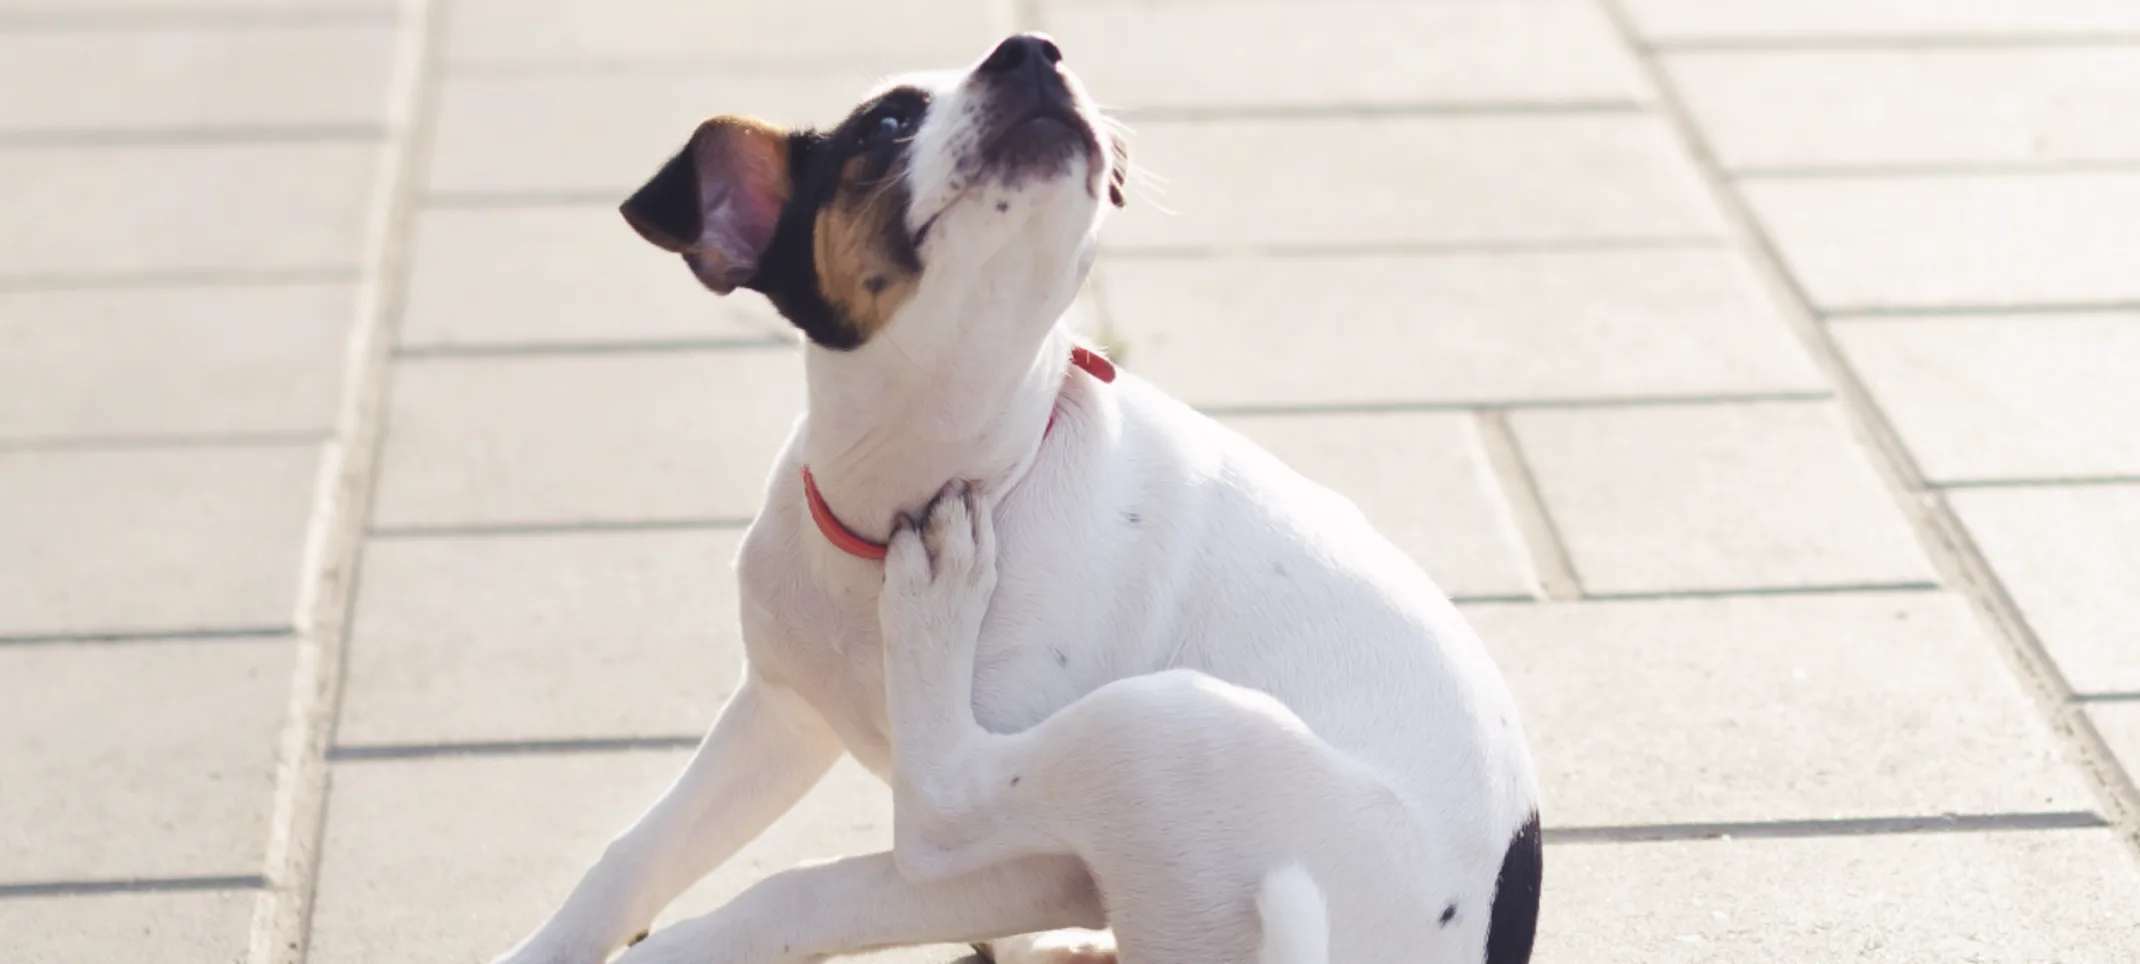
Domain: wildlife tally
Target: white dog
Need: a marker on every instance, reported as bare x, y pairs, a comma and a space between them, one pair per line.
1189, 799
928, 247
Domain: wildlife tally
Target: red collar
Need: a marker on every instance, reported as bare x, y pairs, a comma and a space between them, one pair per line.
837, 533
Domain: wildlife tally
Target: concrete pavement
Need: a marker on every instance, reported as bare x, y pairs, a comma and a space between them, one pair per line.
1762, 375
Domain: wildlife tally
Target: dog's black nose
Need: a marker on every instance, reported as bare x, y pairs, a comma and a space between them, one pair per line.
1026, 51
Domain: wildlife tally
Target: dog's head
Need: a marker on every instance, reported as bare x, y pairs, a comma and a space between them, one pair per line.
959, 198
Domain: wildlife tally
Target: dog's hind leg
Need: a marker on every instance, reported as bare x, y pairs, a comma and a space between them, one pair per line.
1148, 779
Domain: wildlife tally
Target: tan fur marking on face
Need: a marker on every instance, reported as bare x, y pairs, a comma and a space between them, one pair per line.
857, 268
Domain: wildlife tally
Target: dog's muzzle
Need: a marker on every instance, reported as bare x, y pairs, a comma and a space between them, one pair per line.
1032, 122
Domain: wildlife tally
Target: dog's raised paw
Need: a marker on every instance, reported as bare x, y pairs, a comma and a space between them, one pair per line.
947, 530
939, 571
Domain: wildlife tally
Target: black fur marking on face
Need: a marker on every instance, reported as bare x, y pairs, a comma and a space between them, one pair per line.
1513, 924
863, 153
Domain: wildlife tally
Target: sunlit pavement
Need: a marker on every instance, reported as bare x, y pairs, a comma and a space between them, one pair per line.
1763, 376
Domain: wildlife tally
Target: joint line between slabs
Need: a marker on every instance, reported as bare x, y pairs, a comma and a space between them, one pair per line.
1896, 44
2047, 482
507, 529
1846, 827
198, 634
1543, 544
280, 928
674, 346
131, 885
432, 751
1312, 409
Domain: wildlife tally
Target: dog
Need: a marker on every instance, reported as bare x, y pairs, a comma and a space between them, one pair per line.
1189, 799
927, 248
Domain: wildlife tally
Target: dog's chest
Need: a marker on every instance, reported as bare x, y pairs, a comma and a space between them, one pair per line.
825, 643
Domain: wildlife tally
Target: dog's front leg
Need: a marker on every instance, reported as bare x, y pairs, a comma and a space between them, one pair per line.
858, 904
949, 774
766, 749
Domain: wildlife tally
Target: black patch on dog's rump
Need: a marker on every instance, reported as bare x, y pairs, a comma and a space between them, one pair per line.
1514, 922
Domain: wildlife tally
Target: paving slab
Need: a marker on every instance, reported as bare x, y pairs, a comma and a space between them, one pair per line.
175, 362
454, 859
1684, 498
606, 133
2016, 397
1444, 181
111, 11
2070, 559
561, 276
149, 541
926, 34
1452, 328
138, 760
541, 637
1753, 20
1858, 108
662, 436
172, 77
1997, 898
170, 928
1423, 479
1987, 240
182, 209
2119, 723
1189, 57
1773, 708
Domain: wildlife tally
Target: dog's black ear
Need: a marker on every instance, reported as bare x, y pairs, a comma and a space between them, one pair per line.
665, 210
718, 200
1118, 172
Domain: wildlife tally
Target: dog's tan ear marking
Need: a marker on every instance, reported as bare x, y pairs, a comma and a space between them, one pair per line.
1118, 172
718, 200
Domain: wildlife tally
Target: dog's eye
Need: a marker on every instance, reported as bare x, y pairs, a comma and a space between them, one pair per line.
890, 126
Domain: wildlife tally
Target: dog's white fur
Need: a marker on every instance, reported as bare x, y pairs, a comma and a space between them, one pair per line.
1189, 799
1140, 537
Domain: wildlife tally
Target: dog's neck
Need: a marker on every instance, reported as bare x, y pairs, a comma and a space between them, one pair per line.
885, 432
